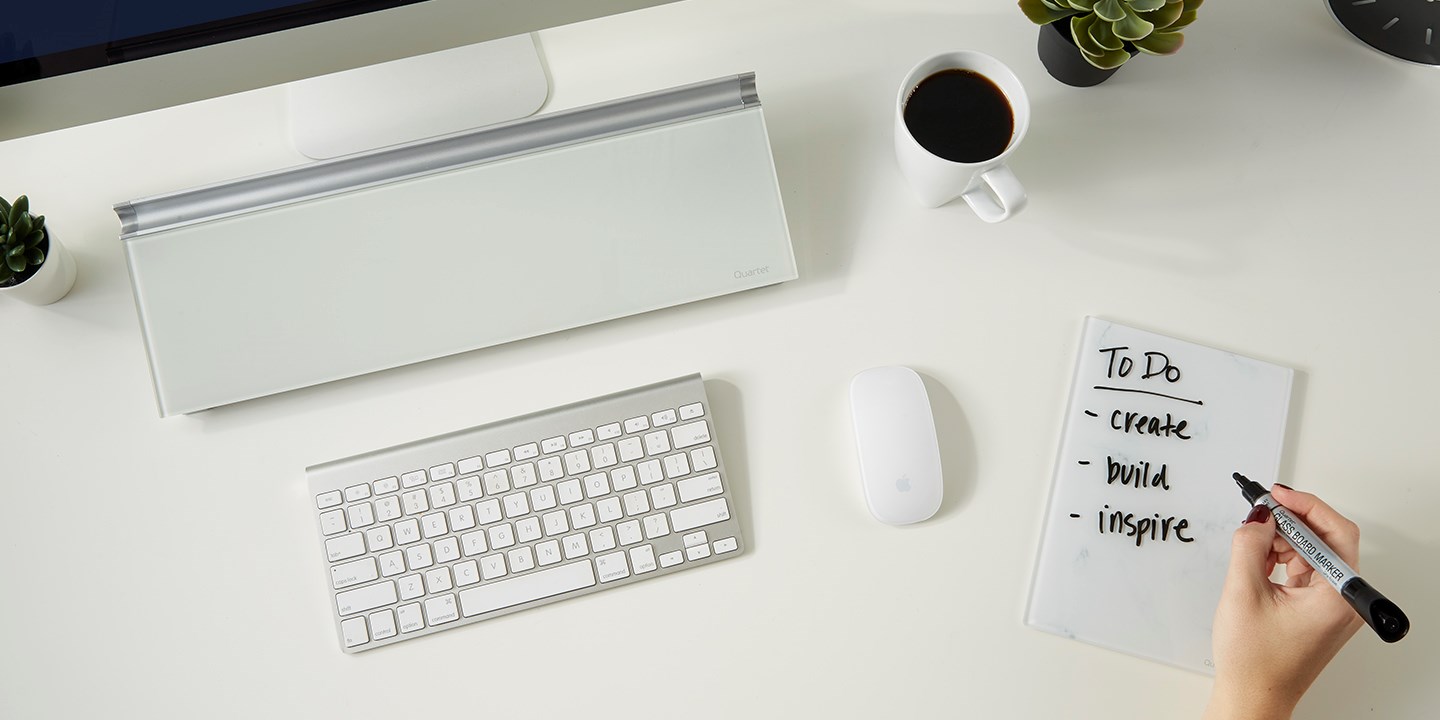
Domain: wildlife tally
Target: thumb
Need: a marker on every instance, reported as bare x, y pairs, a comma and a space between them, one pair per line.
1250, 551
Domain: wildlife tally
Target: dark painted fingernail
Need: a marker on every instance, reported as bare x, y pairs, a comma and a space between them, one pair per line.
1287, 487
1258, 514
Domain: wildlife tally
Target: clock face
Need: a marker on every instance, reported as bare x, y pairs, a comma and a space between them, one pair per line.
1406, 29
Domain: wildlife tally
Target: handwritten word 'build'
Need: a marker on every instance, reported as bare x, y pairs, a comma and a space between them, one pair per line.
1136, 475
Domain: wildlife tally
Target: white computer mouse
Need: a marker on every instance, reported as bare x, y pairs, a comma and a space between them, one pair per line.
899, 453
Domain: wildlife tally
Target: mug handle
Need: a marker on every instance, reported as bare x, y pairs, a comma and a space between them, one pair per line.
996, 184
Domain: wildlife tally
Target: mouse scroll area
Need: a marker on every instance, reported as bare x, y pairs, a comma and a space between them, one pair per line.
897, 446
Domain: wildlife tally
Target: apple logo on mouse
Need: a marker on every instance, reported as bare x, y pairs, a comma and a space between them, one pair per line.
903, 483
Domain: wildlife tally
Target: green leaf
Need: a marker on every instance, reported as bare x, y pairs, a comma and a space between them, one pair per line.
1083, 5
1042, 15
1141, 6
1056, 5
1110, 10
4, 207
1182, 22
1110, 60
21, 206
39, 221
23, 226
1104, 37
1133, 27
34, 238
1161, 43
1080, 33
15, 258
1166, 15
1193, 5
34, 256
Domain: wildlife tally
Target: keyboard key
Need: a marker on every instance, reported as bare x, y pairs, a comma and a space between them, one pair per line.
410, 619
471, 465
419, 557
497, 458
552, 445
447, 549
353, 573
556, 523
413, 478
414, 502
345, 547
392, 563
662, 496
671, 558
473, 543
501, 536
332, 522
467, 573
696, 433
702, 459
407, 531
695, 538
582, 516
608, 432
527, 451
379, 538
353, 630
497, 481
487, 512
462, 518
601, 539
575, 546
382, 625
542, 498
583, 437
664, 417
656, 526
328, 499
637, 503
443, 471
700, 486
631, 449
360, 515
612, 567
596, 485
677, 465
442, 495
637, 424
569, 492
691, 411
699, 552
357, 492
365, 598
622, 478
650, 472
629, 532
609, 510
577, 462
411, 587
382, 486
440, 610
642, 559
548, 552
724, 545
527, 530
516, 504
524, 475
468, 488
492, 566
387, 509
603, 455
437, 580
551, 469
657, 443
521, 559
694, 516
523, 589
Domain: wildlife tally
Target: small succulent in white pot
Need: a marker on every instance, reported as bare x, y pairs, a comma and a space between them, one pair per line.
34, 266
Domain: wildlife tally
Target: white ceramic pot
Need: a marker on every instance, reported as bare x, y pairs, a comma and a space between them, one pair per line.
54, 279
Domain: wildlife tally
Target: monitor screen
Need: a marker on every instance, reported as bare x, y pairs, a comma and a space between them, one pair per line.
44, 39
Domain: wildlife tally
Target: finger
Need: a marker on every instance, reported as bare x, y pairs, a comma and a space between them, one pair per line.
1250, 553
1335, 529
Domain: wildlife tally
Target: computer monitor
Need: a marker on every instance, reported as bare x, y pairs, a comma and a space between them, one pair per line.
70, 62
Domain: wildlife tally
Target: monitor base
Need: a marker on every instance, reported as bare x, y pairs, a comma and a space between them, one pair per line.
416, 97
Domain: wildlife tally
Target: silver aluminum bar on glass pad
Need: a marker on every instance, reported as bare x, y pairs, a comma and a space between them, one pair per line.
400, 162
372, 261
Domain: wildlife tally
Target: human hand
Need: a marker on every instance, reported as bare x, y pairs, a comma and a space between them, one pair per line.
1271, 640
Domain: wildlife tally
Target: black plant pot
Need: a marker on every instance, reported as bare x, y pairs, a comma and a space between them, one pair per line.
1065, 61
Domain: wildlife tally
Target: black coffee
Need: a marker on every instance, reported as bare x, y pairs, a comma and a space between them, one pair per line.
960, 115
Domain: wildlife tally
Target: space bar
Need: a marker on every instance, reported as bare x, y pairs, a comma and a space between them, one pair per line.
525, 588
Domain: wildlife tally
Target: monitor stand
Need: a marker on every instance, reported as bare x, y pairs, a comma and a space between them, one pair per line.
416, 97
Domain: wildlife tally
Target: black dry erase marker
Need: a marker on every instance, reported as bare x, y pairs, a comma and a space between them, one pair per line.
1379, 613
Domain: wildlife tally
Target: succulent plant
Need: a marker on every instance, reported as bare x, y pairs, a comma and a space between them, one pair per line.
20, 236
1108, 31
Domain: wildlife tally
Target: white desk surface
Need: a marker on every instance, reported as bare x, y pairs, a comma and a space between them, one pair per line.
1270, 190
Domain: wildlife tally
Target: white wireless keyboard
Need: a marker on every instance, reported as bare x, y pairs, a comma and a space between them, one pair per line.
483, 522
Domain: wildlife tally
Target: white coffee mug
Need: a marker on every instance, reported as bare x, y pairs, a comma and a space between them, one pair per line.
988, 187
